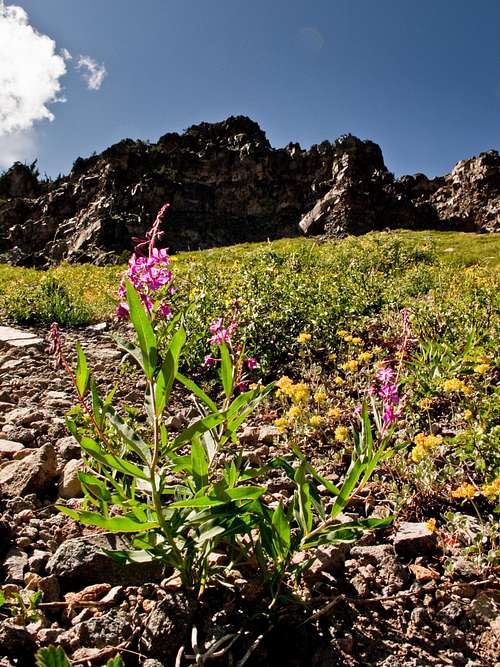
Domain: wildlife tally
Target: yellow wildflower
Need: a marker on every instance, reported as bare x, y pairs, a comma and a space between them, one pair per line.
467, 414
338, 380
284, 382
365, 357
316, 420
334, 413
303, 338
348, 338
341, 433
332, 356
342, 333
320, 396
299, 392
425, 403
356, 340
481, 369
418, 453
294, 412
453, 386
491, 490
350, 366
466, 491
282, 424
431, 525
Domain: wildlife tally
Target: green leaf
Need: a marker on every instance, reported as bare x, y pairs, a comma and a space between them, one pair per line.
199, 463
131, 350
197, 391
303, 508
51, 656
115, 524
115, 662
226, 370
353, 474
198, 428
131, 438
82, 371
112, 461
168, 371
144, 329
281, 537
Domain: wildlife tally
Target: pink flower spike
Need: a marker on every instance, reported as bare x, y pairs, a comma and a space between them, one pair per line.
122, 311
251, 363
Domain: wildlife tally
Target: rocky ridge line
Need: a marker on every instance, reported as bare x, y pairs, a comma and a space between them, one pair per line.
226, 185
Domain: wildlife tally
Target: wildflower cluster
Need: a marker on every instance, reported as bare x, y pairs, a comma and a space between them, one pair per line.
149, 274
222, 335
456, 386
307, 407
468, 491
423, 445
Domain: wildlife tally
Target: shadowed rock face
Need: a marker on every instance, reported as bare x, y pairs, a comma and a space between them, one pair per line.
226, 184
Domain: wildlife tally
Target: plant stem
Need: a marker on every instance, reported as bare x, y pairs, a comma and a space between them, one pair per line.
152, 470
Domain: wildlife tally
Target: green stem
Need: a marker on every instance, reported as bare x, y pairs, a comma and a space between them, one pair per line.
152, 470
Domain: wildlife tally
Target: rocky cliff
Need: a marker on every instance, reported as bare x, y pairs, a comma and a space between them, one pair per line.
226, 184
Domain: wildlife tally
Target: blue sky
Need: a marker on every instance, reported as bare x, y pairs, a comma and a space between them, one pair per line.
422, 79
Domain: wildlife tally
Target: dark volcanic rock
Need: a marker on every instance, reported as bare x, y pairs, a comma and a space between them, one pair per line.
80, 562
226, 184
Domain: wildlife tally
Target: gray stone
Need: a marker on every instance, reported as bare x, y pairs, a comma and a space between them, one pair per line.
18, 338
16, 643
167, 627
33, 474
14, 565
9, 447
414, 539
107, 629
70, 486
80, 562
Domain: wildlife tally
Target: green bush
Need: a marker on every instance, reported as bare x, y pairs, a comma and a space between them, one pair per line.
45, 303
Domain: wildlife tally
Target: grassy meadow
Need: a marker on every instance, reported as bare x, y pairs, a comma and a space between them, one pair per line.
322, 317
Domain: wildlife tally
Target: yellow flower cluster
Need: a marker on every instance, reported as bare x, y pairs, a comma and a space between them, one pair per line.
338, 381
423, 445
345, 335
334, 413
455, 386
297, 392
341, 433
350, 366
294, 412
491, 490
431, 525
466, 491
425, 403
315, 421
365, 357
282, 424
303, 338
320, 396
467, 414
481, 369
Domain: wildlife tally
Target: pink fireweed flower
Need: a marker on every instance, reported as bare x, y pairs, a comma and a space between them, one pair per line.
242, 385
251, 363
220, 333
150, 275
209, 360
385, 374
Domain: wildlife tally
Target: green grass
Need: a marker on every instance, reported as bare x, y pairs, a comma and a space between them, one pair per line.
337, 291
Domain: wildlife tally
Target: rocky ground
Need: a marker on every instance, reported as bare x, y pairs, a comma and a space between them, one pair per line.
386, 600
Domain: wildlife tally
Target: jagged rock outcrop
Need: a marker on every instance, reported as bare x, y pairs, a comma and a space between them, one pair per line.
226, 184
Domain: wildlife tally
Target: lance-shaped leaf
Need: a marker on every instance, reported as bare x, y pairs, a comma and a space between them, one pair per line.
115, 524
82, 370
144, 329
168, 371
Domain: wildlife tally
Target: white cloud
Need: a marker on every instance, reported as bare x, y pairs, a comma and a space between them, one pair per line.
17, 146
93, 73
30, 73
66, 54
